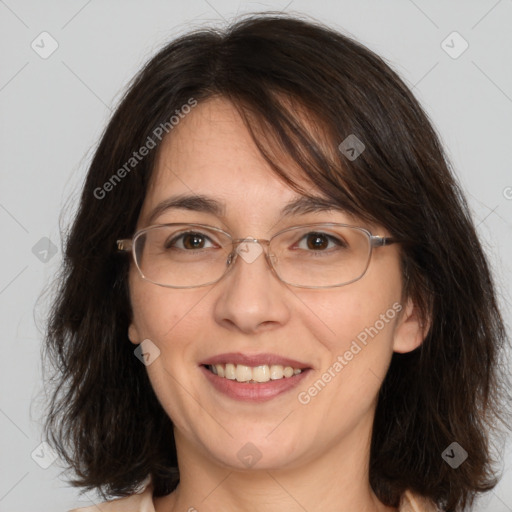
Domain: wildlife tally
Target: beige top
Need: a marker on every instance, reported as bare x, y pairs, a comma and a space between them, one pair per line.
143, 502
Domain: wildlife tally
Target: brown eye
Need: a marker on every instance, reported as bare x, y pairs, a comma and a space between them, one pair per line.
193, 241
320, 242
188, 241
317, 241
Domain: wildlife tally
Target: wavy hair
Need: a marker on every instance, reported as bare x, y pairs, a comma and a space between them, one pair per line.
103, 417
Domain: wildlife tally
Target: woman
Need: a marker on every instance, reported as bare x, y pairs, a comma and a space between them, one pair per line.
274, 297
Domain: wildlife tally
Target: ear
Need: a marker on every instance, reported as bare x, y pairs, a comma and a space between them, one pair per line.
410, 330
133, 334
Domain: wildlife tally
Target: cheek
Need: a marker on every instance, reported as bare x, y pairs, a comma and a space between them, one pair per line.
355, 325
357, 354
171, 319
160, 313
339, 319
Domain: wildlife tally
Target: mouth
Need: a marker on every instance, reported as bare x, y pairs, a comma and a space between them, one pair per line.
254, 378
253, 374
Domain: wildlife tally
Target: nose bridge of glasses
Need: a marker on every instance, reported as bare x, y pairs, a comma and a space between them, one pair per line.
249, 249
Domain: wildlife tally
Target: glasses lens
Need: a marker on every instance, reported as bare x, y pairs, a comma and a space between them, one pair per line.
188, 255
182, 255
321, 255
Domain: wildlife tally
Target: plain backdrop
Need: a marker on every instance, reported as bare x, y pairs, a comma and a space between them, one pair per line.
54, 107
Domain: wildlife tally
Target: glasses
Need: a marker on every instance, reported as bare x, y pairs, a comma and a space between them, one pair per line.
322, 255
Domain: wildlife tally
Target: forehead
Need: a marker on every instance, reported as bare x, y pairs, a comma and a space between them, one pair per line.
211, 151
214, 142
210, 157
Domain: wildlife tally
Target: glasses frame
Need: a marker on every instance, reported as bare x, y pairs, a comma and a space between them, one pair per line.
128, 245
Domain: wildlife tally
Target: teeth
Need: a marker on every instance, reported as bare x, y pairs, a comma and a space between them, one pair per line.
261, 373
229, 371
219, 370
288, 371
276, 372
243, 373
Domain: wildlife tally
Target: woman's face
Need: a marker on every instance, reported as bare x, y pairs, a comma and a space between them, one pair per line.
342, 338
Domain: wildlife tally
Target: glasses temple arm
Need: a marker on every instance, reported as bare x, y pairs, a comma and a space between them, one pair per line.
124, 245
381, 241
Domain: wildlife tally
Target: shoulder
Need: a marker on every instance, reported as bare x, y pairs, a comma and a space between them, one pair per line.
412, 502
139, 502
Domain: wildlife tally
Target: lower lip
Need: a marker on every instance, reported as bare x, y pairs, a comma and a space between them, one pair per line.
255, 392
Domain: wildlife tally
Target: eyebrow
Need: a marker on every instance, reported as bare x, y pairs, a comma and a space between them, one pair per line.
205, 204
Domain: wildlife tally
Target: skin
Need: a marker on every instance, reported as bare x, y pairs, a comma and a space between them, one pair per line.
315, 456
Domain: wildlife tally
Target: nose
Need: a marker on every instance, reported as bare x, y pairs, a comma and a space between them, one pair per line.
251, 298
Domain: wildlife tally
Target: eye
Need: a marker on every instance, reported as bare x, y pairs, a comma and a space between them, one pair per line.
318, 241
188, 241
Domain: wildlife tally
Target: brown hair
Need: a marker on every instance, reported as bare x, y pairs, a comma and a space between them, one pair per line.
104, 418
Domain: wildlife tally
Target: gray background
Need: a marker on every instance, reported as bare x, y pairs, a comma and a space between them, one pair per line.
54, 109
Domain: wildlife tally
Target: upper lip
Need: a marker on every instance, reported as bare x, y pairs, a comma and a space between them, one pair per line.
254, 360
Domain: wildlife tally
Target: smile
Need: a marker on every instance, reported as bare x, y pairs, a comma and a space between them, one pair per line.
253, 374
